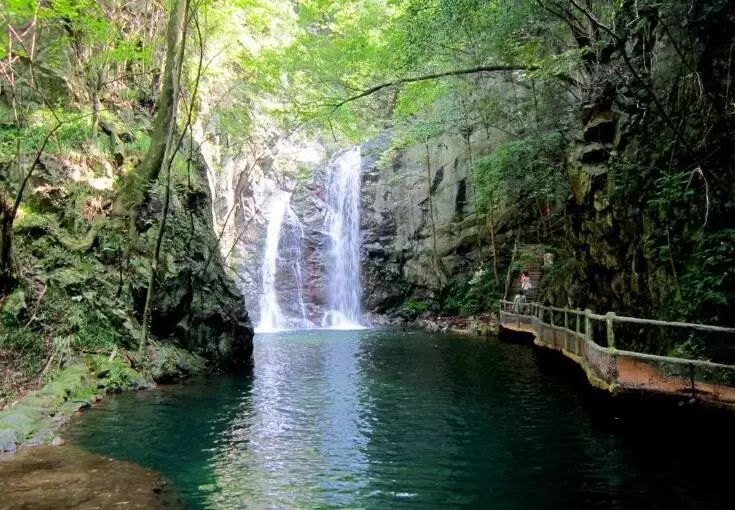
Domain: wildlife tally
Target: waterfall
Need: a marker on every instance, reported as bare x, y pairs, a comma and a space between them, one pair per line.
295, 242
344, 291
281, 302
271, 317
283, 241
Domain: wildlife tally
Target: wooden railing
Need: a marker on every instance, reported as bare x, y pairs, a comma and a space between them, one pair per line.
571, 331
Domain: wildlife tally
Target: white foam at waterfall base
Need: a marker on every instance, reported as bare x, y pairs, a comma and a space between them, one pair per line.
336, 320
344, 289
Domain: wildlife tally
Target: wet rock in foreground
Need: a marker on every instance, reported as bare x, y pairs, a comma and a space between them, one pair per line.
65, 477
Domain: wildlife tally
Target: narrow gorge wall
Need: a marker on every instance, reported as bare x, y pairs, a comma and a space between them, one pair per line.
651, 169
420, 200
417, 200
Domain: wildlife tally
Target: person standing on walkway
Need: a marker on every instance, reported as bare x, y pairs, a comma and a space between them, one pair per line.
525, 283
519, 303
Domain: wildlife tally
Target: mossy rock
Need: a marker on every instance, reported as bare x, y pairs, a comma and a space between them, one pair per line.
33, 414
78, 244
170, 363
32, 223
116, 374
73, 380
37, 400
28, 418
120, 376
70, 277
9, 439
16, 420
35, 224
40, 437
69, 408
14, 305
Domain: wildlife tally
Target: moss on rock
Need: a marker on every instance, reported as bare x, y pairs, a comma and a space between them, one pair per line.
35, 418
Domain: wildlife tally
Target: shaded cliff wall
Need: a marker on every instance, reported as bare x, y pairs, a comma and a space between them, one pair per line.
419, 200
651, 210
648, 223
82, 273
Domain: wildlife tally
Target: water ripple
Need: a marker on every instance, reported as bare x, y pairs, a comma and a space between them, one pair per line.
383, 420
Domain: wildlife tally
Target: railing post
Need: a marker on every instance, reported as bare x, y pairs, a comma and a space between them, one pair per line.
566, 319
587, 324
540, 323
609, 319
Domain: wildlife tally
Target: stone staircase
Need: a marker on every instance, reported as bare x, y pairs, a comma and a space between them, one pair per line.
535, 270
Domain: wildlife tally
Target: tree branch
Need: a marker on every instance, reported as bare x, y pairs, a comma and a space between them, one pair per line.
433, 76
621, 44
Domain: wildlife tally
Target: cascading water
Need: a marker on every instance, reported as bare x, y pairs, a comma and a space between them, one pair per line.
281, 303
296, 256
271, 317
284, 237
344, 290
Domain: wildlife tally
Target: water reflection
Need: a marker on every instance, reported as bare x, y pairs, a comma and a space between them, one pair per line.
301, 444
368, 419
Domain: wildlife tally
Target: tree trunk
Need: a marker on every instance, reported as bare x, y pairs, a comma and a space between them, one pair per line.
491, 219
478, 223
437, 263
510, 267
174, 62
150, 168
165, 121
95, 112
6, 244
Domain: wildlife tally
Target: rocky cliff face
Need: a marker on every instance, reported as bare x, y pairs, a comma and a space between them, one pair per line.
102, 272
422, 197
198, 305
416, 201
647, 169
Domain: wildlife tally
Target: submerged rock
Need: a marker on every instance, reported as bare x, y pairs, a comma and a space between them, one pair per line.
66, 477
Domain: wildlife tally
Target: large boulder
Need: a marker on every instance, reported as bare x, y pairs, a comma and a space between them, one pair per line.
197, 305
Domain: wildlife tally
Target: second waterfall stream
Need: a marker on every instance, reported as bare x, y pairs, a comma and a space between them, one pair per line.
344, 290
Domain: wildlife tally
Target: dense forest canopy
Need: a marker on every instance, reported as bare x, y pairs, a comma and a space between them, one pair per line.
658, 71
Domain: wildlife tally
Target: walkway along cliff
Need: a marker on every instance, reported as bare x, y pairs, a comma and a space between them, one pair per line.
576, 333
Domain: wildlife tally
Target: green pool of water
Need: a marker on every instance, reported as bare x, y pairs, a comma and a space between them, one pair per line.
380, 419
